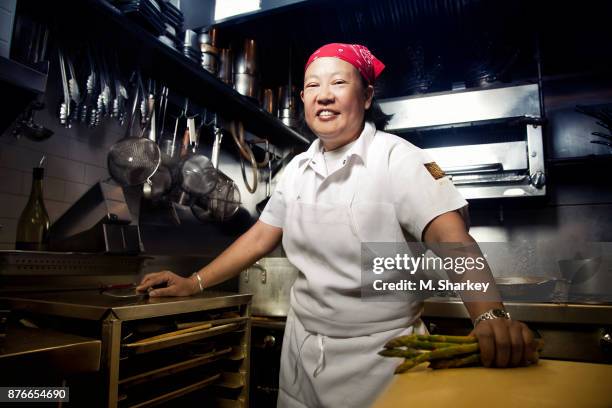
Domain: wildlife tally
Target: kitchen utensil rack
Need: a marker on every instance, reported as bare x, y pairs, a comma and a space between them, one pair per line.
106, 26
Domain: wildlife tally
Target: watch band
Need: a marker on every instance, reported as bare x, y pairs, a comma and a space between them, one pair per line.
492, 314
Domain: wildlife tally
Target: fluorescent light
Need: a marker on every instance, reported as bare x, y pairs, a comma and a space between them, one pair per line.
229, 8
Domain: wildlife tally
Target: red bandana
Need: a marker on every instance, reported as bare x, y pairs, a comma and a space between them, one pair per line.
357, 55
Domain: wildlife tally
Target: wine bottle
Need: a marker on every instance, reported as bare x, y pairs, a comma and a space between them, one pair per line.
33, 226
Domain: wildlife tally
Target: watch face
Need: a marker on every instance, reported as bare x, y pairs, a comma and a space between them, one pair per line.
499, 313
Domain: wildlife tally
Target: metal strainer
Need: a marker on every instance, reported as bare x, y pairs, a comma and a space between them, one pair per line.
223, 201
198, 176
133, 160
221, 204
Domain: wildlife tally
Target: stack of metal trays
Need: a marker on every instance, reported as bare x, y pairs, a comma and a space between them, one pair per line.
174, 23
147, 13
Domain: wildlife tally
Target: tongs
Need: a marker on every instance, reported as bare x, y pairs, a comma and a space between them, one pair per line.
121, 94
73, 88
88, 112
64, 113
603, 135
104, 98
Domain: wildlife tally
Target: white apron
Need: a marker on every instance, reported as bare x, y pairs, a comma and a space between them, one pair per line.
329, 356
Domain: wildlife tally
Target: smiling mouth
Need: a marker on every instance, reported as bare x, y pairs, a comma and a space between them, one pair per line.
326, 113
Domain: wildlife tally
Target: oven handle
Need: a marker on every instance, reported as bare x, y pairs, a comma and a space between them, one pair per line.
475, 168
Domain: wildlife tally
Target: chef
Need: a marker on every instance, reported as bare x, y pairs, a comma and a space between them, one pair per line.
354, 184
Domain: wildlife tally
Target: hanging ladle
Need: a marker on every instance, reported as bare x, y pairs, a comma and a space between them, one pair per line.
262, 204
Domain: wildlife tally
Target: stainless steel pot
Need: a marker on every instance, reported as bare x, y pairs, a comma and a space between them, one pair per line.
226, 67
210, 62
208, 36
288, 116
246, 60
287, 97
269, 281
246, 85
269, 101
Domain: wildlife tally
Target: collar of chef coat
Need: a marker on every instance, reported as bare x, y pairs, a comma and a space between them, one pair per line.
313, 157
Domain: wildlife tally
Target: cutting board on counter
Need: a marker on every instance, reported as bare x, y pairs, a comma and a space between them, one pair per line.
550, 383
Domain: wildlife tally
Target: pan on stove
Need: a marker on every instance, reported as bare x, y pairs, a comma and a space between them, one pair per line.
526, 288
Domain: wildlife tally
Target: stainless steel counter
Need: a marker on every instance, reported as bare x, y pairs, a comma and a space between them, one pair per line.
107, 316
563, 313
50, 350
92, 305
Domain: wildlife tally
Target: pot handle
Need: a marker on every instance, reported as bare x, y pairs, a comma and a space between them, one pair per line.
263, 271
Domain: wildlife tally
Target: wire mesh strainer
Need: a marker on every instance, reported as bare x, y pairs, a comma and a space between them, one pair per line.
198, 176
223, 201
221, 204
133, 160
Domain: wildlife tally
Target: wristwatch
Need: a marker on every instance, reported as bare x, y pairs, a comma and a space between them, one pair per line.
492, 314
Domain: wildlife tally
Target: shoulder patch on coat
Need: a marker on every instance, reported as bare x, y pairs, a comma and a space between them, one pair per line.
435, 170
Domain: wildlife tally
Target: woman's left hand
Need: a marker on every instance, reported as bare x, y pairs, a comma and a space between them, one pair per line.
505, 343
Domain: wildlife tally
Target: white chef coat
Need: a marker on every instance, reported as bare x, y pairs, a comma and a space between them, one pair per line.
381, 188
334, 159
388, 188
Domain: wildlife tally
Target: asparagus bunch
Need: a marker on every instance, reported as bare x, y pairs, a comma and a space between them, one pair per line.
441, 351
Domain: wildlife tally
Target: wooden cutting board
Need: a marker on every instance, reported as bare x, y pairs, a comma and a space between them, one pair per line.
550, 383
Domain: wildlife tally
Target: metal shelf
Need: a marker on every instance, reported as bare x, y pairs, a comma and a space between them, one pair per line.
105, 24
22, 76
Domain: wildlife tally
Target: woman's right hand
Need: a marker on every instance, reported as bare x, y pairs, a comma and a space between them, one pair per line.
174, 285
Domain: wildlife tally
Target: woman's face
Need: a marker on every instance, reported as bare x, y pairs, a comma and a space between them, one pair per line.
335, 101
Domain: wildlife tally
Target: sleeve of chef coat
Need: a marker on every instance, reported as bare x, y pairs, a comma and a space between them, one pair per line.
418, 196
274, 212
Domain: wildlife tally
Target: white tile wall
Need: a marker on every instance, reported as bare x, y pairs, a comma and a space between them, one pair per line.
76, 160
7, 17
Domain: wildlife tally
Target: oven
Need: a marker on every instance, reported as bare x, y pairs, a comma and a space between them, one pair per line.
488, 141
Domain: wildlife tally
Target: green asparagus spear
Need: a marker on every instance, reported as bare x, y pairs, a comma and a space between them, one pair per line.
455, 362
437, 354
412, 338
446, 339
425, 345
406, 353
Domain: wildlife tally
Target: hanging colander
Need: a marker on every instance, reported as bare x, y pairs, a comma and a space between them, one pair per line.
133, 160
